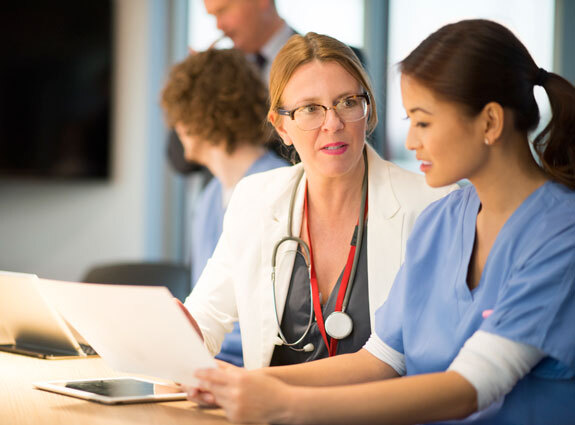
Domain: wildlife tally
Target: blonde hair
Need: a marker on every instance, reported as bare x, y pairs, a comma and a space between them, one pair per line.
300, 50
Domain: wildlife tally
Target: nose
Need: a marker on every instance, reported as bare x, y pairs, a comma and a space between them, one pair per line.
332, 121
412, 142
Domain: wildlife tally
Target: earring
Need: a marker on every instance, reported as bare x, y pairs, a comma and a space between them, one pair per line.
486, 141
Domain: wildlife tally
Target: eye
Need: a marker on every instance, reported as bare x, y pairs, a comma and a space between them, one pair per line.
348, 102
421, 124
309, 109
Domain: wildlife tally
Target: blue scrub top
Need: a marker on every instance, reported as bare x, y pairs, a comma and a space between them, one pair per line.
528, 281
206, 230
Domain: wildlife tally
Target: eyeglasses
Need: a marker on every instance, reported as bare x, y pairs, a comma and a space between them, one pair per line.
312, 116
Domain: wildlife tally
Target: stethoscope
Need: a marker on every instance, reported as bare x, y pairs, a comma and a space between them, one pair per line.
338, 324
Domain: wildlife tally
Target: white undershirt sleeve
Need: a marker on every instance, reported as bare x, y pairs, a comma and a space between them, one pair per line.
385, 353
493, 365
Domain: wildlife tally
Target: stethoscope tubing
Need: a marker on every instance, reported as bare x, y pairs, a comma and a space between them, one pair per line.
311, 315
359, 239
307, 256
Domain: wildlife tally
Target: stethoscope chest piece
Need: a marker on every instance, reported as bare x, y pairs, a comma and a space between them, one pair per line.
338, 325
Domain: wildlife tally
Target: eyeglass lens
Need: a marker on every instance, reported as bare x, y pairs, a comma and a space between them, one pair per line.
310, 117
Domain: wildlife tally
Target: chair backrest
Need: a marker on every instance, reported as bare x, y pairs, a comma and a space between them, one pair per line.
176, 277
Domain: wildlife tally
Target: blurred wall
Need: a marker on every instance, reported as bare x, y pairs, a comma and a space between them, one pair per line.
59, 229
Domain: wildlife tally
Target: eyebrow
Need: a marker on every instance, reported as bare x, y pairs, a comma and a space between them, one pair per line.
421, 110
316, 99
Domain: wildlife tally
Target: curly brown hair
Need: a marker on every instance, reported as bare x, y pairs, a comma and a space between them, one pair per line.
220, 97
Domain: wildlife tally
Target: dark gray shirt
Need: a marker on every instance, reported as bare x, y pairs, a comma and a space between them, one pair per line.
297, 309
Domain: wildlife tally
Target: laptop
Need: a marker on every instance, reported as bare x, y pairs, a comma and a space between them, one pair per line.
34, 327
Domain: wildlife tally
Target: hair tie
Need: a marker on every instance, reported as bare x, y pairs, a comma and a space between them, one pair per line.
541, 78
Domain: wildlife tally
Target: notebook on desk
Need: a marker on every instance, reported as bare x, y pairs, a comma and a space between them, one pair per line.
34, 327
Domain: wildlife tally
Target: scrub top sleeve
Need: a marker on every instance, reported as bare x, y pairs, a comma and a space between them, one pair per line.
386, 354
389, 317
536, 304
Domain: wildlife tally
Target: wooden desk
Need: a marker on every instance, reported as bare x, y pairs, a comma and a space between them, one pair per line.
21, 404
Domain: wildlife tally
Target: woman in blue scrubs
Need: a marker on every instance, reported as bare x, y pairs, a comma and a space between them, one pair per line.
479, 324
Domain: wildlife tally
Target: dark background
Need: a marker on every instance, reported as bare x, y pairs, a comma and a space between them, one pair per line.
55, 88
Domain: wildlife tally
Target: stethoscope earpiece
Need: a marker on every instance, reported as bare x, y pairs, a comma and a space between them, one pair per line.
308, 347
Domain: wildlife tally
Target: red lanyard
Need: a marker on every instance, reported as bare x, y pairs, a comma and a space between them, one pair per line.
332, 344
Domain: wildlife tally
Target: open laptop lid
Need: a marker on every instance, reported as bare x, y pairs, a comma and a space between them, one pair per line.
34, 326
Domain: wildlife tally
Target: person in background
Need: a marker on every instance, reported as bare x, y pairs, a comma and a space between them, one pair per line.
255, 28
478, 327
217, 104
322, 239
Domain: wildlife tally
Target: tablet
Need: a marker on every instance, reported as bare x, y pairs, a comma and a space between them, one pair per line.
115, 390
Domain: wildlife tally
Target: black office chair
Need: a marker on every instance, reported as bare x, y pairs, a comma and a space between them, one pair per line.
176, 277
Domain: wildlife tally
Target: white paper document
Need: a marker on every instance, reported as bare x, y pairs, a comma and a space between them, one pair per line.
135, 329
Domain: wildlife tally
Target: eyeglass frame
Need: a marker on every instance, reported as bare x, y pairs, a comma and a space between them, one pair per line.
291, 113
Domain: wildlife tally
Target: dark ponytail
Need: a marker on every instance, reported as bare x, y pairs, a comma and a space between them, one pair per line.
475, 62
555, 145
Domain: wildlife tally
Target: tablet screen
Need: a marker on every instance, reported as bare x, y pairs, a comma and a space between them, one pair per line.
115, 390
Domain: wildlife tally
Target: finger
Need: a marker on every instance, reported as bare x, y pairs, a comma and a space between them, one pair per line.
208, 399
189, 317
193, 394
225, 365
214, 376
200, 397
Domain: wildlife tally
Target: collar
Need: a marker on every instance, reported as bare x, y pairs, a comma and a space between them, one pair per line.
274, 44
380, 189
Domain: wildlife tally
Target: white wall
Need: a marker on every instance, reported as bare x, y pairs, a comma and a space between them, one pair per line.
59, 230
412, 21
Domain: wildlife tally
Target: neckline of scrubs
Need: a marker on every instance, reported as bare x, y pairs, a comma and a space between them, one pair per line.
469, 234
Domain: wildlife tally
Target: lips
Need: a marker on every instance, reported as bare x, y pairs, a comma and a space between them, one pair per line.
334, 146
338, 148
425, 166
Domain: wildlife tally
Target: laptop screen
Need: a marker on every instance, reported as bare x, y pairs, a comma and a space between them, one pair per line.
30, 322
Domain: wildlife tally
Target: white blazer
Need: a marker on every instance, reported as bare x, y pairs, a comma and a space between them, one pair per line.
236, 283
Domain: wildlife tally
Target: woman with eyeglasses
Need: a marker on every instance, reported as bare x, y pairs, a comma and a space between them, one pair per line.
308, 252
478, 327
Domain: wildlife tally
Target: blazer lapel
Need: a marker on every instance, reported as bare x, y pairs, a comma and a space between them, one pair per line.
384, 232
